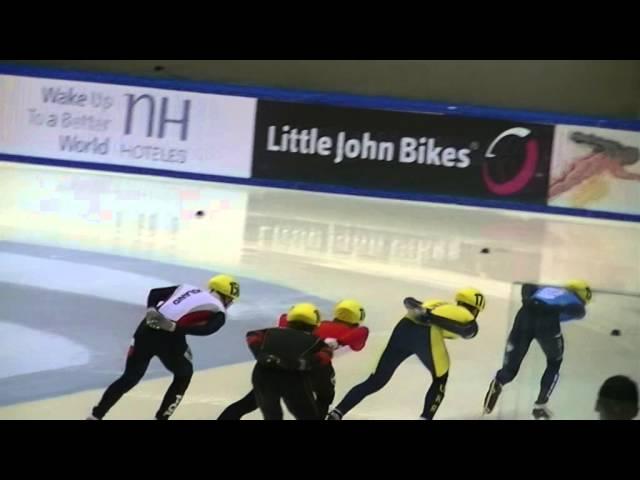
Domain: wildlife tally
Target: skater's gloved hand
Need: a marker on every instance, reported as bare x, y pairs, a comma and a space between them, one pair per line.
414, 307
332, 343
157, 321
411, 303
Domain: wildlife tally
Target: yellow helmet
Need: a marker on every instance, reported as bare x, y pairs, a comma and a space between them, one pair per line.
580, 288
349, 311
472, 297
304, 312
225, 285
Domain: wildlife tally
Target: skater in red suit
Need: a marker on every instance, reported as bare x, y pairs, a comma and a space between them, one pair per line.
345, 330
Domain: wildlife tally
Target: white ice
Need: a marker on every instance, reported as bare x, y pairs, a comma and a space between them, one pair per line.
334, 246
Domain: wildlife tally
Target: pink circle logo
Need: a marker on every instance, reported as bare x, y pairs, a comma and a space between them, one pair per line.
524, 174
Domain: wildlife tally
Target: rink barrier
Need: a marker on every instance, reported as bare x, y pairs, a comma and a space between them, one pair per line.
406, 107
321, 188
377, 150
613, 154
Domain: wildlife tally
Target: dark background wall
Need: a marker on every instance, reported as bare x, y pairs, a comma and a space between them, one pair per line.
604, 88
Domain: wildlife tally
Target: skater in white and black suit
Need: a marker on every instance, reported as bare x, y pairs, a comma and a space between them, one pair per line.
173, 313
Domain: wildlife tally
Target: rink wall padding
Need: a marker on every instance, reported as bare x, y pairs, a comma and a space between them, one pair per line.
331, 143
403, 151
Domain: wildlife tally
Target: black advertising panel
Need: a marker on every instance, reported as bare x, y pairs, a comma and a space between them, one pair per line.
402, 151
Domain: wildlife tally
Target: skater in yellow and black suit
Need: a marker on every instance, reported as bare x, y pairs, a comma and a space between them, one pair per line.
421, 332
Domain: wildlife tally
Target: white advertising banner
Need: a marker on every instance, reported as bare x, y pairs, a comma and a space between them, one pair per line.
126, 125
595, 169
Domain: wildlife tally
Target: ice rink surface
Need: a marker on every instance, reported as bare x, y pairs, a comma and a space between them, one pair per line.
79, 251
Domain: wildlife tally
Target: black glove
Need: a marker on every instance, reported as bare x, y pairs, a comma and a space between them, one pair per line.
415, 310
414, 305
154, 319
527, 290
